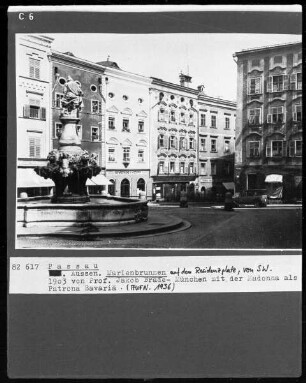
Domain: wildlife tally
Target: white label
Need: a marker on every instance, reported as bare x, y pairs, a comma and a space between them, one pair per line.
189, 274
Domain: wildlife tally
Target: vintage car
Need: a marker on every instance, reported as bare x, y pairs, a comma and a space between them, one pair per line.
255, 197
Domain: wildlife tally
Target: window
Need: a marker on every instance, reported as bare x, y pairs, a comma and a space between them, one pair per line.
79, 131
275, 149
34, 147
161, 141
255, 85
140, 100
111, 123
125, 125
140, 126
33, 110
227, 122
278, 59
58, 100
277, 83
295, 148
173, 142
126, 154
191, 168
296, 81
96, 106
255, 62
34, 68
203, 169
183, 120
202, 144
95, 136
254, 116
111, 95
140, 155
161, 115
253, 149
191, 143
191, 120
111, 155
93, 88
213, 168
57, 130
125, 97
297, 113
213, 145
172, 116
161, 167
227, 146
299, 81
183, 143
213, 121
203, 119
182, 167
172, 167
276, 115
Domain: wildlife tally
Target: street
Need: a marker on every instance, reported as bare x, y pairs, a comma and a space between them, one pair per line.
259, 228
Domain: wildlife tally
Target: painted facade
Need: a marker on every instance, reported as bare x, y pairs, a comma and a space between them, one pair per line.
269, 119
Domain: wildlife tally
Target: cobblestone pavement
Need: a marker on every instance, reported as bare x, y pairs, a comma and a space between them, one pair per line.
212, 227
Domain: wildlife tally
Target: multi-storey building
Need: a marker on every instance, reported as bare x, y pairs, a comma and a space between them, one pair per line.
126, 131
216, 145
174, 133
89, 76
269, 119
33, 112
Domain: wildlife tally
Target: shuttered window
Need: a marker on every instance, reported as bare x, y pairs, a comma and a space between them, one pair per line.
34, 147
34, 68
255, 85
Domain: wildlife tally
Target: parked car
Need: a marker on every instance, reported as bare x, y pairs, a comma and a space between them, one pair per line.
256, 197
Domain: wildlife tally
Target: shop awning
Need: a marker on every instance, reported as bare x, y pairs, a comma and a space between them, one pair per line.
229, 185
27, 178
98, 180
271, 178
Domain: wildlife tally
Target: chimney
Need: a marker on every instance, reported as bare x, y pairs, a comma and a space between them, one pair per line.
185, 79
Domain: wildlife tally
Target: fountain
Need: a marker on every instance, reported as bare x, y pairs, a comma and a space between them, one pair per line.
69, 167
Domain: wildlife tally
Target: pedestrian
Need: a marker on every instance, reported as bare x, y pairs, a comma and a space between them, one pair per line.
228, 202
183, 199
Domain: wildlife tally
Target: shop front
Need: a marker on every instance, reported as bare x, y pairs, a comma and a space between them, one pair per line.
169, 188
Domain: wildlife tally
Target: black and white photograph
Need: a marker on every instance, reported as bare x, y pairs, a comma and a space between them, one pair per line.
159, 140
154, 191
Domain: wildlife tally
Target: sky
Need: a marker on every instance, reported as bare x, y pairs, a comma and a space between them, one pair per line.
208, 58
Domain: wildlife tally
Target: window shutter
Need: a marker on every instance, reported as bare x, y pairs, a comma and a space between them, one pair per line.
26, 111
294, 115
32, 147
257, 85
166, 141
269, 85
37, 147
158, 143
37, 72
100, 106
269, 118
286, 81
176, 143
43, 113
248, 154
284, 148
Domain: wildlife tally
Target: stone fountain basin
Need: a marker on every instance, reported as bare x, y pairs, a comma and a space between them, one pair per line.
100, 211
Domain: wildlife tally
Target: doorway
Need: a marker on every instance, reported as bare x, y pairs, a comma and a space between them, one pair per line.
125, 188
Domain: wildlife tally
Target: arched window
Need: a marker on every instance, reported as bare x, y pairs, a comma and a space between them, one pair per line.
141, 184
111, 188
125, 188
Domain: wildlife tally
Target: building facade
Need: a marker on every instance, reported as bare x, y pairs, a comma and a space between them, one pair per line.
126, 149
269, 120
89, 76
216, 146
33, 90
174, 135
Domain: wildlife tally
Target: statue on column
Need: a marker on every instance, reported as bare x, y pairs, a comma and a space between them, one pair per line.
72, 99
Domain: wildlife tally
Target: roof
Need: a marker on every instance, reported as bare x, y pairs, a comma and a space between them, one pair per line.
109, 64
266, 48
